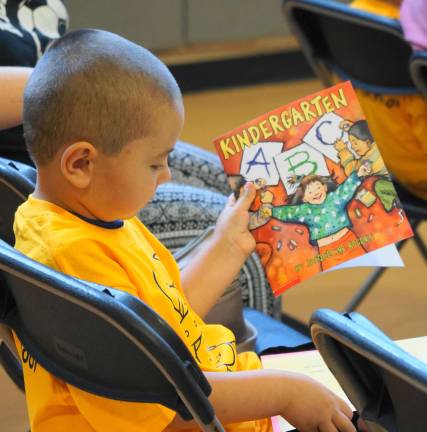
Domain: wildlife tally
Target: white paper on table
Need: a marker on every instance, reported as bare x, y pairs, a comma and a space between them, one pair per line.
312, 364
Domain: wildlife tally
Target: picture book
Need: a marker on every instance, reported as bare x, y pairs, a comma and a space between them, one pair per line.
325, 199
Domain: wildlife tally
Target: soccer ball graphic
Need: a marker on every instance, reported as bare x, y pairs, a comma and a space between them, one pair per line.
48, 18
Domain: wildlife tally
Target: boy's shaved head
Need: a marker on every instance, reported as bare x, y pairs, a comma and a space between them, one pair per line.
95, 86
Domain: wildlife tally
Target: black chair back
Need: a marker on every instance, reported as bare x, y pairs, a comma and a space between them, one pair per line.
387, 385
98, 339
17, 181
418, 69
353, 44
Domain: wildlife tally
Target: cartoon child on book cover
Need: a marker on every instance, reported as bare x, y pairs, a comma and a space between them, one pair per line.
324, 193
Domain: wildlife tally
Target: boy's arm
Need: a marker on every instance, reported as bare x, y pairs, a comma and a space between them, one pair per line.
346, 157
12, 84
291, 213
256, 394
207, 276
347, 188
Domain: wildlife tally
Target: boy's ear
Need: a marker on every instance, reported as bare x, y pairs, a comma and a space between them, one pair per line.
77, 163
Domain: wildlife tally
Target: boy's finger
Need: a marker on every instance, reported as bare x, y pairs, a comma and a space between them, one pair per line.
343, 423
361, 425
245, 199
327, 427
345, 409
231, 200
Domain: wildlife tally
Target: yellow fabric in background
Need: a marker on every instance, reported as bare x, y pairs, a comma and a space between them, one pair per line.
399, 126
379, 7
129, 258
398, 123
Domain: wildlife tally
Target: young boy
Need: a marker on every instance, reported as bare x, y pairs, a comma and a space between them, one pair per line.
101, 115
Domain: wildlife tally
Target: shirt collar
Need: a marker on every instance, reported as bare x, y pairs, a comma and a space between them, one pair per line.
118, 223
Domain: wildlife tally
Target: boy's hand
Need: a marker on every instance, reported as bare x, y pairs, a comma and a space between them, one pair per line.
265, 211
364, 170
266, 197
313, 408
232, 225
340, 145
345, 125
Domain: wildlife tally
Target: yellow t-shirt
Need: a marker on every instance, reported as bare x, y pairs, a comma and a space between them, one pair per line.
129, 258
398, 123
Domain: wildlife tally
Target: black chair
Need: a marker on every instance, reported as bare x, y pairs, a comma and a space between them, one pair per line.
143, 361
355, 45
340, 41
17, 181
387, 385
418, 70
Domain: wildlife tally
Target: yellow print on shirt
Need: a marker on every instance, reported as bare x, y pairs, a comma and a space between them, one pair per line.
181, 308
177, 303
196, 346
28, 358
224, 355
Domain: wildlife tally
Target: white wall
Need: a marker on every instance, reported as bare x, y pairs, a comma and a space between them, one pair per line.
169, 23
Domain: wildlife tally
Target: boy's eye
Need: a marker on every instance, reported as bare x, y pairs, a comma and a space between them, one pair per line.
160, 165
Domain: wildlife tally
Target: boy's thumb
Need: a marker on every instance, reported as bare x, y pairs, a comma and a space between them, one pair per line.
248, 195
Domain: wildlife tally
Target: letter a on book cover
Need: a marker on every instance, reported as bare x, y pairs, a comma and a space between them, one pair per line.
325, 199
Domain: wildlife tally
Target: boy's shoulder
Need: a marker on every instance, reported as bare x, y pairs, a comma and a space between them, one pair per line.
41, 226
39, 217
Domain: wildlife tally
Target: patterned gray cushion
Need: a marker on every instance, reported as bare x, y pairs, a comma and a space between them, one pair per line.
197, 167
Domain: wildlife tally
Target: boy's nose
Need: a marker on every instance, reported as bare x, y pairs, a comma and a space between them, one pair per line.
166, 175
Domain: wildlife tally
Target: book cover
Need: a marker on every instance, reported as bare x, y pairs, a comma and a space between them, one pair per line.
324, 196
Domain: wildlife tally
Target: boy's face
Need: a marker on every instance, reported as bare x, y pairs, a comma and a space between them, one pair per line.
315, 193
125, 182
361, 147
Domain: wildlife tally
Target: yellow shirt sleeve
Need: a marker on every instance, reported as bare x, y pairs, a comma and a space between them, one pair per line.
346, 158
